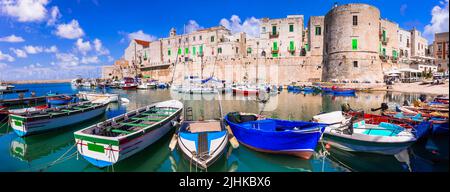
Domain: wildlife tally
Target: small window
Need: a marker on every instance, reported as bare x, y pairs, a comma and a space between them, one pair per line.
200, 37
355, 64
219, 50
212, 39
355, 20
291, 28
169, 52
249, 50
318, 30
179, 40
237, 50
274, 30
263, 29
168, 42
354, 44
179, 51
193, 38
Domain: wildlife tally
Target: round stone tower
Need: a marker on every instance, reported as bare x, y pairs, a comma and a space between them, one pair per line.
351, 43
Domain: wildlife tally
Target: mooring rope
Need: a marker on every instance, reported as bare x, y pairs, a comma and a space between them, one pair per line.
60, 159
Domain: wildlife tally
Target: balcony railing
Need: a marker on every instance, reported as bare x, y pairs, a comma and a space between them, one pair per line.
292, 51
275, 51
274, 35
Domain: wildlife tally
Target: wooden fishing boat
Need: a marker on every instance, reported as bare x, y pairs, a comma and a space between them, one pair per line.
297, 138
98, 97
29, 123
113, 140
128, 83
245, 90
343, 91
202, 142
358, 136
59, 100
440, 125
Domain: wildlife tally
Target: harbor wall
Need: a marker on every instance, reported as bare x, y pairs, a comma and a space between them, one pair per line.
271, 70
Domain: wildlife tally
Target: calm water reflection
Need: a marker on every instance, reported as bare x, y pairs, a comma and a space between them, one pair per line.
36, 152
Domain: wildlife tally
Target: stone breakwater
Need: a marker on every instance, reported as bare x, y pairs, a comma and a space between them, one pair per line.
40, 81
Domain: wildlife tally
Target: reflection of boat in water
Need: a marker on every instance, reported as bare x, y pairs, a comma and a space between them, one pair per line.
254, 161
368, 162
430, 154
36, 147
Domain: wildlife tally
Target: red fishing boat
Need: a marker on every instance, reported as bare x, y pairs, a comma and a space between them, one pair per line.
129, 83
377, 119
245, 90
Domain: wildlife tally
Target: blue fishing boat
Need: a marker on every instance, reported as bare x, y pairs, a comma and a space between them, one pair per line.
440, 126
341, 91
297, 138
202, 142
59, 100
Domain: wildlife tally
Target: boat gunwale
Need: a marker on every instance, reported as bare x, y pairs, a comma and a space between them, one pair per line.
314, 129
47, 114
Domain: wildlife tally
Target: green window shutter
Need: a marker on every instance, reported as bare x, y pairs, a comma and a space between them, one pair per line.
186, 51
291, 28
219, 50
179, 51
384, 35
318, 31
274, 30
384, 51
249, 50
307, 47
394, 54
194, 50
169, 52
354, 44
201, 49
291, 45
275, 46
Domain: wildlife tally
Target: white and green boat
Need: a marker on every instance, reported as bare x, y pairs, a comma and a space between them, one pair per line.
113, 140
34, 122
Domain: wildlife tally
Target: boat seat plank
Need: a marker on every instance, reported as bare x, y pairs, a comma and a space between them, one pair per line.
135, 124
68, 111
204, 127
121, 131
157, 114
146, 119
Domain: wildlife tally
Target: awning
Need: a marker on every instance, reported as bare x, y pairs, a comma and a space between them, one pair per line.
393, 71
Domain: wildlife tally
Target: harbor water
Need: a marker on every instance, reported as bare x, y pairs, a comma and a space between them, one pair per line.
55, 151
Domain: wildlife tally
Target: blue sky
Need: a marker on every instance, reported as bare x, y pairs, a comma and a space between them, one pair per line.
59, 39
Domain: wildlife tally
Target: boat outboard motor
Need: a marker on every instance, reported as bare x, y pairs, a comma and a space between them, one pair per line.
406, 103
423, 98
349, 130
346, 107
384, 106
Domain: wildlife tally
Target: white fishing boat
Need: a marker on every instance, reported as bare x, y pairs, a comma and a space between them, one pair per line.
357, 136
202, 142
98, 97
113, 140
33, 122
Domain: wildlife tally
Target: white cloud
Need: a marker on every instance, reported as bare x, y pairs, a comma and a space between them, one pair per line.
88, 60
54, 16
12, 39
141, 36
6, 57
24, 10
250, 25
71, 30
19, 53
439, 20
67, 59
52, 49
110, 59
33, 49
192, 26
99, 47
83, 47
